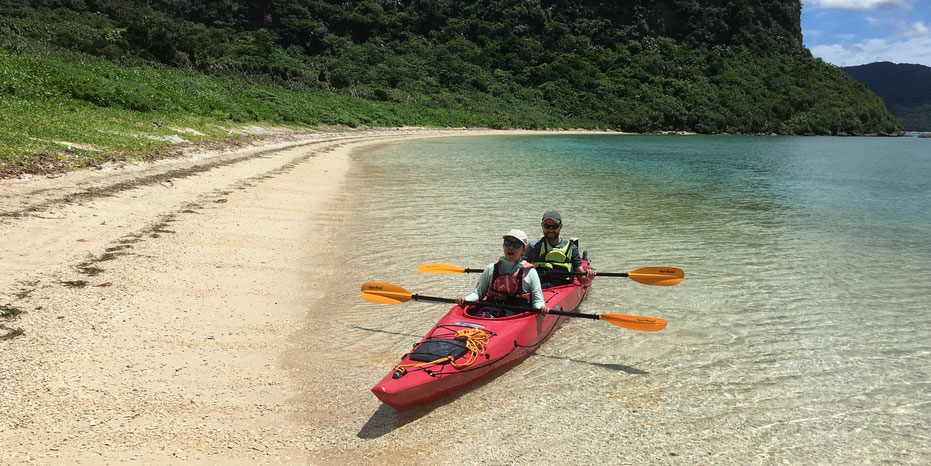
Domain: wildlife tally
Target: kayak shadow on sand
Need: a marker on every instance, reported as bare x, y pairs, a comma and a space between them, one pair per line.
386, 419
613, 367
375, 330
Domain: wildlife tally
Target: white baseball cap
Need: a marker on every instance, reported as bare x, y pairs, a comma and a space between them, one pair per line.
519, 234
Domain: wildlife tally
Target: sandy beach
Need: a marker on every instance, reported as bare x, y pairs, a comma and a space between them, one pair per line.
174, 311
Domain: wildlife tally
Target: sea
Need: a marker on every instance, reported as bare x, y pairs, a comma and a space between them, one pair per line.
801, 333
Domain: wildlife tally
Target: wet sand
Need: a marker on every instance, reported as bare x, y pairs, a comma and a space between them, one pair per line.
182, 311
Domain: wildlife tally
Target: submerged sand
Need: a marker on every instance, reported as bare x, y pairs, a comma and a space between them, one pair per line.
176, 312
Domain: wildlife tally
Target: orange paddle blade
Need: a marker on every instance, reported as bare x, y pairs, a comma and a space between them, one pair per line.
657, 276
384, 293
440, 268
643, 324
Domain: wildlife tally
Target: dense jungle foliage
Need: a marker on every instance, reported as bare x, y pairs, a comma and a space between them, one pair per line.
713, 66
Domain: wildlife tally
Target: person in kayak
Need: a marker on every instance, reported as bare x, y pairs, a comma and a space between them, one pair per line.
509, 280
552, 252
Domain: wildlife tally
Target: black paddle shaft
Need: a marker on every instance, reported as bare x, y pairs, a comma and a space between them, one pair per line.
560, 273
600, 274
574, 314
418, 297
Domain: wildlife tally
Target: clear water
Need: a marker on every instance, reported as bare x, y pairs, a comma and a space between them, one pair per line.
801, 332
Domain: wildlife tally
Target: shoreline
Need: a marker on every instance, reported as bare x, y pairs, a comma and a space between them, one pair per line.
40, 166
162, 312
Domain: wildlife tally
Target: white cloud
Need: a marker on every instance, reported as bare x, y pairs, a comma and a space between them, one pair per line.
859, 5
913, 50
918, 29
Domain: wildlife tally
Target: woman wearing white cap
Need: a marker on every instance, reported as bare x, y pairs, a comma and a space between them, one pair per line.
509, 280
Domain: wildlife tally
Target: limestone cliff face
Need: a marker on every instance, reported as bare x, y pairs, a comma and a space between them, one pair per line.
795, 16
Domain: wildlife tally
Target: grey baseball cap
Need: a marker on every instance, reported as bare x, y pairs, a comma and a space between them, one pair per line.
554, 216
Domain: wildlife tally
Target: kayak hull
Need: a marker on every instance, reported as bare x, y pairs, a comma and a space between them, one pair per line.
510, 340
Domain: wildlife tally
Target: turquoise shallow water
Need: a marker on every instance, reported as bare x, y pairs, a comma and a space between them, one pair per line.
801, 332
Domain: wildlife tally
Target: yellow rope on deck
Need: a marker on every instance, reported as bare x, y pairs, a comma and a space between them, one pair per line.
475, 340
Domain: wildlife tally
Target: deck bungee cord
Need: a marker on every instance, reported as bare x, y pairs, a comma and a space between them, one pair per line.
474, 339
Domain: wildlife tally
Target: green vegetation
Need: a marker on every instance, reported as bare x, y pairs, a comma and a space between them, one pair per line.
61, 114
111, 73
913, 117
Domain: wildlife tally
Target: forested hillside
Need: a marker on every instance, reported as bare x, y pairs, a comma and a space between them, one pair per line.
905, 88
670, 65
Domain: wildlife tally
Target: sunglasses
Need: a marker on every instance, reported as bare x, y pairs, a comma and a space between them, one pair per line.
552, 226
513, 244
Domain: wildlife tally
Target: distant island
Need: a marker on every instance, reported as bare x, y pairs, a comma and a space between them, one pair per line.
111, 77
905, 88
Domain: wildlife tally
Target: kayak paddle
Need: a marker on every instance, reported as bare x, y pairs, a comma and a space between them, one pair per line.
387, 293
657, 276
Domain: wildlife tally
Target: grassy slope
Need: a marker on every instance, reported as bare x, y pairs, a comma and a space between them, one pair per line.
112, 112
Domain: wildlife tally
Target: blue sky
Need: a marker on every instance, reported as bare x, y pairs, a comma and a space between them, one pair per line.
855, 32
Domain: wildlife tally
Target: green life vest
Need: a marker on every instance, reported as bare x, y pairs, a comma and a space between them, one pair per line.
556, 258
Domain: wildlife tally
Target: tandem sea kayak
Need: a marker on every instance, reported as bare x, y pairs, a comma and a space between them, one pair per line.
463, 348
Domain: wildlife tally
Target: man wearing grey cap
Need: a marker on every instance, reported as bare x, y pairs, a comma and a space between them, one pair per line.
552, 252
509, 280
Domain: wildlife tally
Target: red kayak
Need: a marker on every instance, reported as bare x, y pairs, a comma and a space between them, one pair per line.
463, 348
